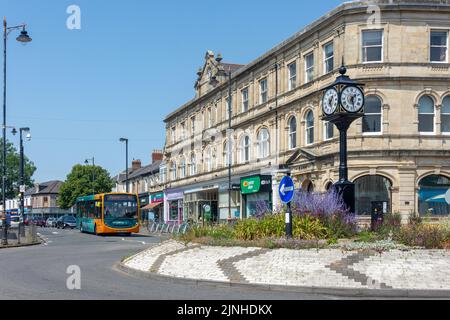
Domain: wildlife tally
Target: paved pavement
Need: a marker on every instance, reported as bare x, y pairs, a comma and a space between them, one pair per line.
39, 272
424, 270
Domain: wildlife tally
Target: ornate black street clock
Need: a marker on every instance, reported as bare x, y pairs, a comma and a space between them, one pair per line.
343, 103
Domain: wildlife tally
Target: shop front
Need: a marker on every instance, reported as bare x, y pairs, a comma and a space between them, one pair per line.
173, 206
256, 193
201, 204
229, 209
154, 210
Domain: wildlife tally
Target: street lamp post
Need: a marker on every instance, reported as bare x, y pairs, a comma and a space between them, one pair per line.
342, 104
93, 172
126, 160
214, 81
22, 171
23, 38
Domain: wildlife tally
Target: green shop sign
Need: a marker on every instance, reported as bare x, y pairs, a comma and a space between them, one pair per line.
250, 185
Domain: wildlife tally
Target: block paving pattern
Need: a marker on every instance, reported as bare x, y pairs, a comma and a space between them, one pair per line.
325, 268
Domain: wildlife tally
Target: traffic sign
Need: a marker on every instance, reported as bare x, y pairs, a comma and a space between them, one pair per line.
286, 189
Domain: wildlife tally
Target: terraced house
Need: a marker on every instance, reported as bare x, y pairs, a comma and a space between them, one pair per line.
399, 152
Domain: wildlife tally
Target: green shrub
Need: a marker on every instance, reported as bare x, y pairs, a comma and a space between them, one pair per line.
367, 236
423, 235
274, 226
309, 228
391, 225
246, 229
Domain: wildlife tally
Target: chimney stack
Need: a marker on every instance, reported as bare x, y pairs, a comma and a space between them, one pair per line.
157, 155
135, 165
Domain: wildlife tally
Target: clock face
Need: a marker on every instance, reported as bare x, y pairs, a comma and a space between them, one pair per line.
352, 99
330, 101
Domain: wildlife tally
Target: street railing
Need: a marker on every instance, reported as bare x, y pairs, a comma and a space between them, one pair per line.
169, 227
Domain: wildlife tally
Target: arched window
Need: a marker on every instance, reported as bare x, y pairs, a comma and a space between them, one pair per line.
193, 166
445, 115
328, 186
244, 147
292, 133
309, 127
183, 168
372, 192
208, 160
426, 115
371, 122
263, 143
227, 154
432, 191
173, 169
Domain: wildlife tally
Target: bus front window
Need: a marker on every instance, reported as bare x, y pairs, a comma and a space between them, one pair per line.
121, 206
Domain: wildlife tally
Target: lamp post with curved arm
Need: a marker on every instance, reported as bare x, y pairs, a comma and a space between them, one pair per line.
23, 38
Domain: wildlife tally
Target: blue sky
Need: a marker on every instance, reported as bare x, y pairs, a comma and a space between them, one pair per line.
132, 63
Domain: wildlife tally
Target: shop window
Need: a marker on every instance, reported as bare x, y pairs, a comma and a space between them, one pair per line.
372, 115
432, 191
292, 133
372, 192
426, 115
173, 210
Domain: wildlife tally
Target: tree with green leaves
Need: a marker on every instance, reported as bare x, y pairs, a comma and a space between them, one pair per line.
13, 170
82, 181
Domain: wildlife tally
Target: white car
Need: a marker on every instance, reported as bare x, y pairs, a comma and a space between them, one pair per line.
15, 221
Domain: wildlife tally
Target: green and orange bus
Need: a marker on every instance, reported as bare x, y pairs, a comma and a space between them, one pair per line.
108, 213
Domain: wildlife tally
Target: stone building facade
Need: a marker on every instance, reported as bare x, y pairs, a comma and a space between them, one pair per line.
399, 153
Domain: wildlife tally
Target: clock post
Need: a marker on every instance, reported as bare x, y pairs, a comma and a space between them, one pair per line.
342, 104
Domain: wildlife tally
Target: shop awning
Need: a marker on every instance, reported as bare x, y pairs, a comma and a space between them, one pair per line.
151, 206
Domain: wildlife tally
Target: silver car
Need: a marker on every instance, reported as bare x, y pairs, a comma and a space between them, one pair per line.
50, 223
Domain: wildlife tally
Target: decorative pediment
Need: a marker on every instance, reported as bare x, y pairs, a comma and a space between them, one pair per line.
212, 73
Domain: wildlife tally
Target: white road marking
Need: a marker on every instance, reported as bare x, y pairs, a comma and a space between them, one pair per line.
142, 242
54, 232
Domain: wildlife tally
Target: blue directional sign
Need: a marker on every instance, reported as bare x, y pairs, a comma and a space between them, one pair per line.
286, 189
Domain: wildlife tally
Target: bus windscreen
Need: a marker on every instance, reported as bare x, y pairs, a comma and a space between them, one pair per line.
120, 206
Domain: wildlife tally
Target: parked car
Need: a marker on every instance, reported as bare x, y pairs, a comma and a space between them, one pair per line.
39, 221
66, 222
50, 223
14, 222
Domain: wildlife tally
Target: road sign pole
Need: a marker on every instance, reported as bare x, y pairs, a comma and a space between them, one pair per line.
289, 221
286, 192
